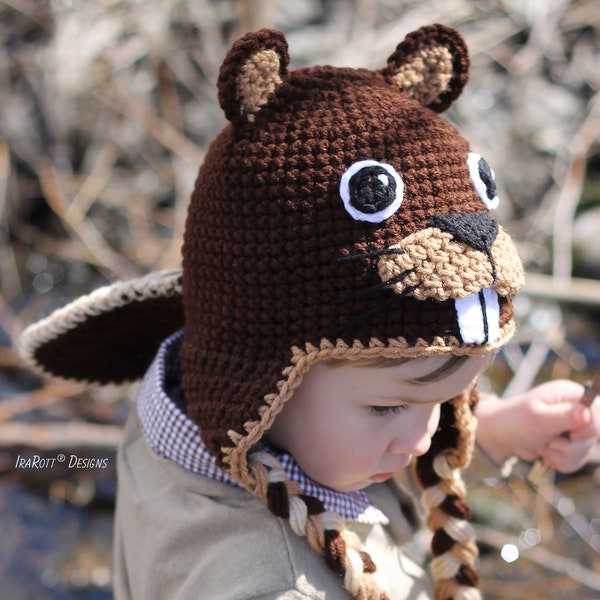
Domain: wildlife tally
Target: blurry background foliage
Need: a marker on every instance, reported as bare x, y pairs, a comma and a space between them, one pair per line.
106, 110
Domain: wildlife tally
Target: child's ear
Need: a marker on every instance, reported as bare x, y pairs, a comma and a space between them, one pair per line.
252, 70
431, 65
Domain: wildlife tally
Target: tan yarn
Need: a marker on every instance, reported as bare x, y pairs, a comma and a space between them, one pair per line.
441, 268
236, 457
56, 345
427, 74
453, 544
262, 470
325, 531
466, 422
279, 272
258, 78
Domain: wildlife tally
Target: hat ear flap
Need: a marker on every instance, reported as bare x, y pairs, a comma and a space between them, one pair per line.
253, 69
110, 335
431, 65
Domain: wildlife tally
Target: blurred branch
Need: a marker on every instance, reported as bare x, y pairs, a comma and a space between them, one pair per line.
94, 183
543, 557
574, 290
528, 367
91, 240
8, 267
54, 436
160, 129
32, 10
4, 174
571, 188
49, 394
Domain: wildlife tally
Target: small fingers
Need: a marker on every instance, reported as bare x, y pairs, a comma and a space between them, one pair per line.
582, 423
590, 423
588, 431
567, 455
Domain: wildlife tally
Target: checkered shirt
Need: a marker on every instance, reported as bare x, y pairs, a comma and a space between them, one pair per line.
172, 435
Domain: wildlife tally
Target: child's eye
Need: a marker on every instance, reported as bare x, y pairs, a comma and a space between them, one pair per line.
388, 410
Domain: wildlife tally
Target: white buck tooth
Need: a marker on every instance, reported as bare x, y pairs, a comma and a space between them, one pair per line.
479, 317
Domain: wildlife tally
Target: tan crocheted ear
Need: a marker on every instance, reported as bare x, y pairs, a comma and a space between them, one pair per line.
109, 336
253, 69
432, 65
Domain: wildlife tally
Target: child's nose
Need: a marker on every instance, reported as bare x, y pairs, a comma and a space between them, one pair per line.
416, 443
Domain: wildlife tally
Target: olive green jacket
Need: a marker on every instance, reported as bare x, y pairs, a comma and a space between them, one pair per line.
182, 536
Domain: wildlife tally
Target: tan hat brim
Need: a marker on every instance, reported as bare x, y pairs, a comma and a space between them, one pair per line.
110, 335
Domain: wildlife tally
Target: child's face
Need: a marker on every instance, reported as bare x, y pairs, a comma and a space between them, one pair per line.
349, 427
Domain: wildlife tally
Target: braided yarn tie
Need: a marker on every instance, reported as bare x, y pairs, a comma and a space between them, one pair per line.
298, 515
444, 566
451, 590
443, 497
325, 531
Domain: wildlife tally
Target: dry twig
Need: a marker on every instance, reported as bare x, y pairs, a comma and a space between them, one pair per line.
53, 436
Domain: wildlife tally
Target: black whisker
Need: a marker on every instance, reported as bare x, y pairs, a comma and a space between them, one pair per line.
367, 314
369, 290
492, 262
368, 254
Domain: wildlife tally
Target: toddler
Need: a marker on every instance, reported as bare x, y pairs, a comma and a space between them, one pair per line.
344, 281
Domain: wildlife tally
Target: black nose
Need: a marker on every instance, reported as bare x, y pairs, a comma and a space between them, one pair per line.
478, 229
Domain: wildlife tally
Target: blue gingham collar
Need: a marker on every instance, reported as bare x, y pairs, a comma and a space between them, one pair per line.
172, 435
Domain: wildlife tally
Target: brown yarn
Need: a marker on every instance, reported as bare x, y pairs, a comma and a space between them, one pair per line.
255, 65
335, 551
278, 500
325, 532
280, 274
313, 505
452, 443
467, 576
250, 298
453, 78
368, 562
456, 507
284, 267
83, 341
441, 542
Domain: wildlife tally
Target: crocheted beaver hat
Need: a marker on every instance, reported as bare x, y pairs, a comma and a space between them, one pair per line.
337, 215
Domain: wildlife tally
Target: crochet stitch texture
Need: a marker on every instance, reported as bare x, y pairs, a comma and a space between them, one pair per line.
336, 216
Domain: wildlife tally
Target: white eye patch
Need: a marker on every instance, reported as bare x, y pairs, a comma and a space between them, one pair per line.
371, 191
484, 180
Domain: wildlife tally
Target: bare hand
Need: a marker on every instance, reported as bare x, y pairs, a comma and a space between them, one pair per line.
535, 424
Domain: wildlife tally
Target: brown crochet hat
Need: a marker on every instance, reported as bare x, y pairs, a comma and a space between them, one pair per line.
337, 215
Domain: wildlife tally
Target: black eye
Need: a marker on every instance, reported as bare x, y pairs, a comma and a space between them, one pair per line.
371, 191
483, 179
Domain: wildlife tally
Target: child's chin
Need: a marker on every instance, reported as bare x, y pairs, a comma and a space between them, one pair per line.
381, 477
355, 487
